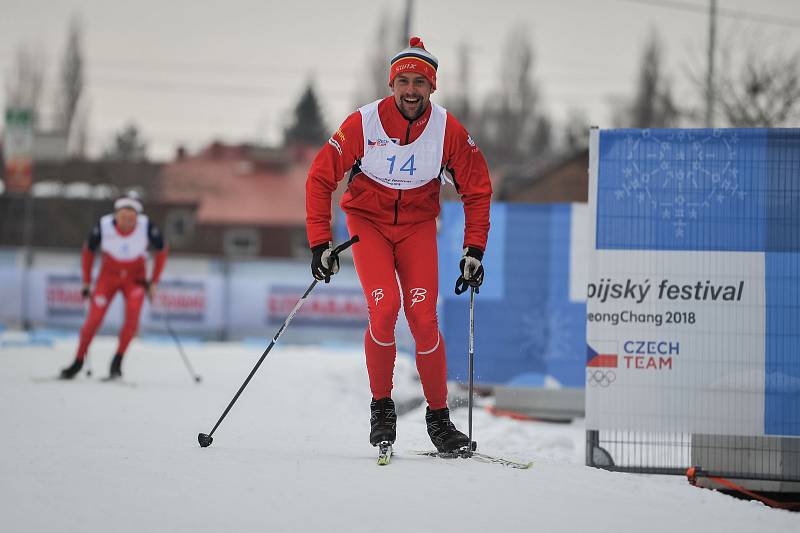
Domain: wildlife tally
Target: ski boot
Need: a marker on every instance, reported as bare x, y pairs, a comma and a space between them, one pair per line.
383, 421
72, 370
443, 433
115, 372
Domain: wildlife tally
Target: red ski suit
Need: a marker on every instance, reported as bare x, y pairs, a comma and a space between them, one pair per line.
397, 231
127, 276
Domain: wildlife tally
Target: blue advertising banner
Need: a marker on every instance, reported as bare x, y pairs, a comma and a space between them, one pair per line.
529, 331
697, 249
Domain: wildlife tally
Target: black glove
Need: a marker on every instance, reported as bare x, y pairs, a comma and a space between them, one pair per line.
323, 263
86, 291
471, 270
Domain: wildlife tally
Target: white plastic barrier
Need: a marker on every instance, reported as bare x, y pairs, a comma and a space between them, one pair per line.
209, 298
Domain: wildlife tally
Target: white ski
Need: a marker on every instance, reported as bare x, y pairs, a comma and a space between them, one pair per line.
482, 457
117, 381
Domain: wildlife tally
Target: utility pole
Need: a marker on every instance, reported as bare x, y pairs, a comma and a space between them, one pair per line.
407, 24
712, 37
464, 50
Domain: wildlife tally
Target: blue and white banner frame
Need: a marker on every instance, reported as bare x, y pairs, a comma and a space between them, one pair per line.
693, 309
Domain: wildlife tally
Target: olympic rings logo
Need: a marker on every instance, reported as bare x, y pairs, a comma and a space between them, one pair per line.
602, 378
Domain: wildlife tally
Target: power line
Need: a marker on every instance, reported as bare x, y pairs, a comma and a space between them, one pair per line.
199, 68
732, 13
195, 66
213, 89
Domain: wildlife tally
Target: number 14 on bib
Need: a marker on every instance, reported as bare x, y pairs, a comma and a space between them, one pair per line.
408, 166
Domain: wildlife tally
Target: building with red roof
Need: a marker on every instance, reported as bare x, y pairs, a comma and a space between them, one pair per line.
237, 200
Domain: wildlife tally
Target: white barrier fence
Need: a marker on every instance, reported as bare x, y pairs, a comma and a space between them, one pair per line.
205, 297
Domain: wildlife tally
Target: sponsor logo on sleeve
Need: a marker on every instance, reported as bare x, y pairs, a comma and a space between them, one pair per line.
335, 144
471, 142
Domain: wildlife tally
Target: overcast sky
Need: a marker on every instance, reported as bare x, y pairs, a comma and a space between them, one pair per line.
189, 71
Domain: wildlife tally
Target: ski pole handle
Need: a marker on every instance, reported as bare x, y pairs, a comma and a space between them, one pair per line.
345, 245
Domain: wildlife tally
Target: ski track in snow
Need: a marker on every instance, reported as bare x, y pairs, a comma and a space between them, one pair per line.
293, 455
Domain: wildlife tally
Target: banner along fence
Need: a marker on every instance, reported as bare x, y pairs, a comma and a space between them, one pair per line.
693, 309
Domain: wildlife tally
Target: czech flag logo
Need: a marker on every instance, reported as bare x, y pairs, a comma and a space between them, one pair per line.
601, 354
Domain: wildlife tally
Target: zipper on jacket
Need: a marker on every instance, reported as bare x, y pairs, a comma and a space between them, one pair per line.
397, 205
400, 191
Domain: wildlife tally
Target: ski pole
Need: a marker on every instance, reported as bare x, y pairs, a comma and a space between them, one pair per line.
88, 363
86, 360
204, 439
197, 377
471, 360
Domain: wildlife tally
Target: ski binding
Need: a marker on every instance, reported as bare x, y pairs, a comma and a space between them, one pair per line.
384, 453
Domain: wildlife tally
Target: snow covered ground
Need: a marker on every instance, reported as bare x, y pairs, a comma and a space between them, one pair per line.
293, 455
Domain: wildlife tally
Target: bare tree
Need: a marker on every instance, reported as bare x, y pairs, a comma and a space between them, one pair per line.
382, 49
70, 90
757, 83
653, 106
516, 127
763, 90
576, 129
541, 141
458, 101
25, 81
80, 132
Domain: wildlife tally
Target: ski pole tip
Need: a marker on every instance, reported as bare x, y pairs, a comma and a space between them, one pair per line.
204, 440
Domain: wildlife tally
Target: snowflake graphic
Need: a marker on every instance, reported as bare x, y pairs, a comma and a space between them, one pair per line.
534, 333
680, 174
546, 334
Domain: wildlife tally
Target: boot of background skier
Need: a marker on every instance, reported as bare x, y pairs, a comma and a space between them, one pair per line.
115, 372
72, 370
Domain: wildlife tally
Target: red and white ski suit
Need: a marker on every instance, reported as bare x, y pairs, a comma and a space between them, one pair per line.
123, 268
393, 211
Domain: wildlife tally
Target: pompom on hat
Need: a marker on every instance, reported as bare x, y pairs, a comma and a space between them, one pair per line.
414, 59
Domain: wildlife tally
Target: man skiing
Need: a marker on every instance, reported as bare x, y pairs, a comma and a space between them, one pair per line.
397, 150
123, 238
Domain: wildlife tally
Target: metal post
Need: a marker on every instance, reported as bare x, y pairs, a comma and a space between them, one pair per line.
406, 24
712, 37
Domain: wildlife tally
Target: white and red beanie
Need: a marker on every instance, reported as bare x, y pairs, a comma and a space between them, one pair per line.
129, 203
414, 59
